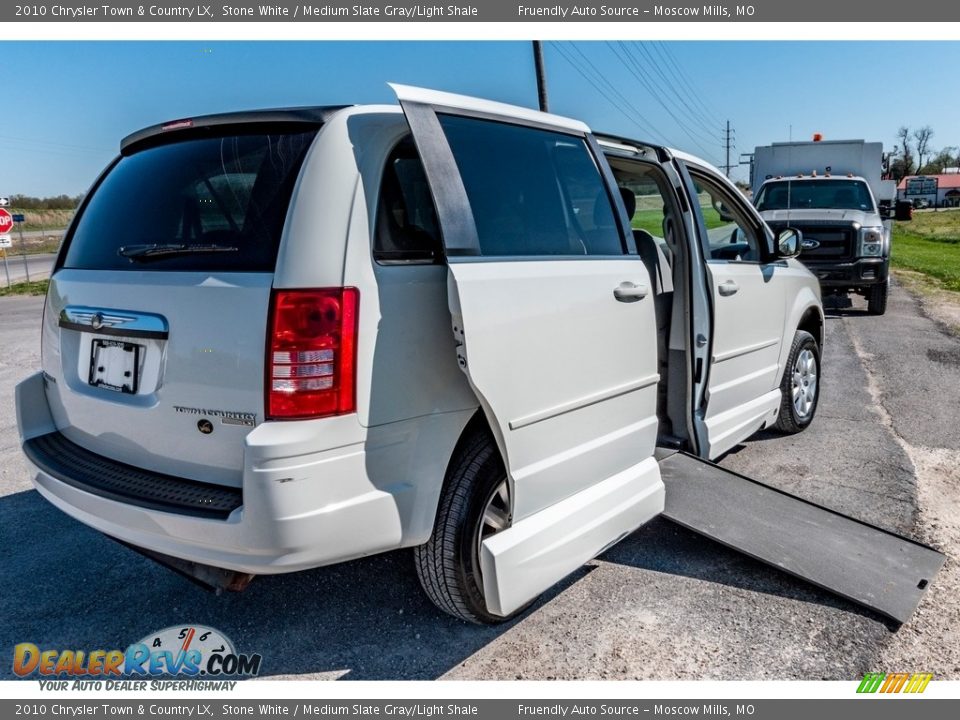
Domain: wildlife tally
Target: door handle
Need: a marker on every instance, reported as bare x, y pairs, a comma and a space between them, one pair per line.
630, 292
728, 287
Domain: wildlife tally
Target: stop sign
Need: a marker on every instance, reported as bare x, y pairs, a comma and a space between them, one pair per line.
6, 222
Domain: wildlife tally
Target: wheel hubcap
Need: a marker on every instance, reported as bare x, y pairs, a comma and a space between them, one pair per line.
804, 385
496, 515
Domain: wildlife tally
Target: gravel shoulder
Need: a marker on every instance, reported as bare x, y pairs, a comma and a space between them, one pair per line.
914, 366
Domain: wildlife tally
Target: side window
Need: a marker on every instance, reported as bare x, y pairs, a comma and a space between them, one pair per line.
731, 235
532, 192
406, 229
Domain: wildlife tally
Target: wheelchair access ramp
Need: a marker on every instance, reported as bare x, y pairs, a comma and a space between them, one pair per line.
865, 564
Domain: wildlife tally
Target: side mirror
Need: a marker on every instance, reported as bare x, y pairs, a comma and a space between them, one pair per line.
788, 243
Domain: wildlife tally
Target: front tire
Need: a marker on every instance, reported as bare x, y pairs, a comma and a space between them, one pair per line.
474, 504
877, 298
800, 387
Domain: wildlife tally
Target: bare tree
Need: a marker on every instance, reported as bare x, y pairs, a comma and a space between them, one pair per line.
922, 136
906, 159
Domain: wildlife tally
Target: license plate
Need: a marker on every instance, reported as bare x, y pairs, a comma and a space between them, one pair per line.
114, 365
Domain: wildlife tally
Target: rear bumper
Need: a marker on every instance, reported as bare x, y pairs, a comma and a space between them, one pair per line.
293, 512
862, 272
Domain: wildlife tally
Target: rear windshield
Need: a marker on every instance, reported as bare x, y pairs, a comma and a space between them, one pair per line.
211, 204
815, 194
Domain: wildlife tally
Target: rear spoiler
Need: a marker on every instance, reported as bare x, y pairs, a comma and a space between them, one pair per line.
204, 125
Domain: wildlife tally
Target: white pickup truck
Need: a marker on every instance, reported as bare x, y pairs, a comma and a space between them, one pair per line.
834, 193
276, 340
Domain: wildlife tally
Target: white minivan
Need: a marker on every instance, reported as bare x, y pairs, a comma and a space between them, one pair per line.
281, 339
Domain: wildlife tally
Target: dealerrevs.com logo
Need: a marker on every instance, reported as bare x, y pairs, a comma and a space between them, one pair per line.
199, 656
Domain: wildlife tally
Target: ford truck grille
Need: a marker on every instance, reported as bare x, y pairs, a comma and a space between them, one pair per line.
834, 241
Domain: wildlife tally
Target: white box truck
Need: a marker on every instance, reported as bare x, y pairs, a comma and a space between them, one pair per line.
833, 191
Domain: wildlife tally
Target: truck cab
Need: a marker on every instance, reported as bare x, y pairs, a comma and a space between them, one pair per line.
846, 242
835, 194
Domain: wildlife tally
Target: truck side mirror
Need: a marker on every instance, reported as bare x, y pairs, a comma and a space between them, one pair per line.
904, 210
788, 243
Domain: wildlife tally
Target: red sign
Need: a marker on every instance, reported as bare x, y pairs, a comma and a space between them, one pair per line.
6, 222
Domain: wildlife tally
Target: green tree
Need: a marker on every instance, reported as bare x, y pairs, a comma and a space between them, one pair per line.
60, 202
941, 161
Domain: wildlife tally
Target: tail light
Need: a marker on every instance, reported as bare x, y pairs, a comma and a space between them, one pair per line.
312, 353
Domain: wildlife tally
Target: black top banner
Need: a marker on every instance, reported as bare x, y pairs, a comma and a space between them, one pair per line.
485, 11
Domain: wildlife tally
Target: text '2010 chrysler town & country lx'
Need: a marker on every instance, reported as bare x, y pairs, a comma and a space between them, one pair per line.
280, 339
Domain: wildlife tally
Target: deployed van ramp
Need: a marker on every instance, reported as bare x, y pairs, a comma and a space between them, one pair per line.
870, 566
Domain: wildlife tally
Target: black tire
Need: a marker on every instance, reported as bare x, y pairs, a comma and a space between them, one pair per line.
791, 420
877, 298
447, 564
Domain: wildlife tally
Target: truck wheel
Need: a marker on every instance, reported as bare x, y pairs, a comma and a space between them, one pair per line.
877, 299
801, 384
474, 504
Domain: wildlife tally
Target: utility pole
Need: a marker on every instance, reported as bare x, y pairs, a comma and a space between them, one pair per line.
541, 76
747, 159
728, 144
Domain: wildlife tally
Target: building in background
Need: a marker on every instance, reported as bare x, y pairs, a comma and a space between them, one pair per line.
931, 190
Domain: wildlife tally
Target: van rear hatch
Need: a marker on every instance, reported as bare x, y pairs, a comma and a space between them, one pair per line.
156, 318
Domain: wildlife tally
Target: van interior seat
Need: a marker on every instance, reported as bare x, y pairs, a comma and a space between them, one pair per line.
661, 292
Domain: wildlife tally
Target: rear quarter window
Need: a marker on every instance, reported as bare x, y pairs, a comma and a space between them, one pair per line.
407, 229
210, 204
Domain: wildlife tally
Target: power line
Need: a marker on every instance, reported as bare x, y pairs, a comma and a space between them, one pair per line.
619, 105
671, 86
665, 89
635, 66
651, 127
630, 64
593, 84
695, 93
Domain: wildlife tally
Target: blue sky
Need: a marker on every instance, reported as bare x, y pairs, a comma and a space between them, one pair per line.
69, 103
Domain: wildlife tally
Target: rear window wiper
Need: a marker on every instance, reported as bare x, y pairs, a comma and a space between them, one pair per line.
145, 253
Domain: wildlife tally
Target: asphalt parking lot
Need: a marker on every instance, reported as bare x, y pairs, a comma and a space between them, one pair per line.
662, 604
